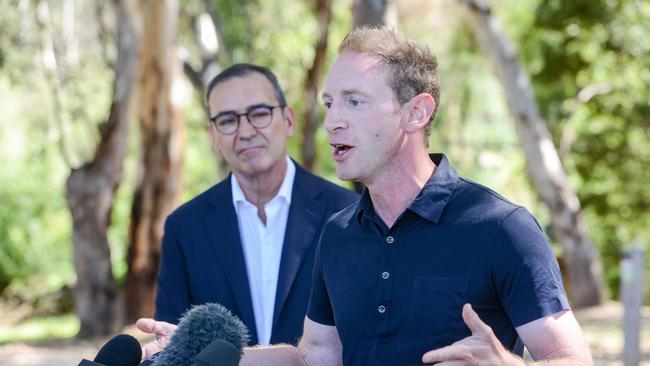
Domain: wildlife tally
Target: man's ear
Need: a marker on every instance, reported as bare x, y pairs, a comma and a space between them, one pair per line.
290, 120
419, 111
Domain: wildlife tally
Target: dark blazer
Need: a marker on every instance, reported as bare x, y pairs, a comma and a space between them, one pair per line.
202, 258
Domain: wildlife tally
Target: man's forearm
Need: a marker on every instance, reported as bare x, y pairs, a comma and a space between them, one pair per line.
551, 361
565, 357
559, 362
277, 355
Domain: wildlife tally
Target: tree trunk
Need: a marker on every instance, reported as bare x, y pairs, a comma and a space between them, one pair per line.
53, 72
373, 13
544, 168
162, 139
324, 15
91, 190
211, 59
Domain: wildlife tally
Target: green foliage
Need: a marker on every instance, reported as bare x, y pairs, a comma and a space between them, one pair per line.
279, 34
34, 224
238, 32
473, 125
589, 62
45, 328
200, 165
590, 66
46, 114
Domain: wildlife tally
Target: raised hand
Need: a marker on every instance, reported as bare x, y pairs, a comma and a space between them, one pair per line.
163, 332
481, 348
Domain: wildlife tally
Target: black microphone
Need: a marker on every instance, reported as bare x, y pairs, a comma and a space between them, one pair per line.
121, 350
198, 330
218, 353
149, 360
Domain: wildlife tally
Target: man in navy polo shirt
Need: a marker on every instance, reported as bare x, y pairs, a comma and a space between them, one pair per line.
427, 267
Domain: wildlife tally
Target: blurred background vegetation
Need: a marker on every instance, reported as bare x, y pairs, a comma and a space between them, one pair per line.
589, 63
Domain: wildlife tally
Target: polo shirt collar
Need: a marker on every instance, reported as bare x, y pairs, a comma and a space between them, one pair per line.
432, 199
364, 207
435, 194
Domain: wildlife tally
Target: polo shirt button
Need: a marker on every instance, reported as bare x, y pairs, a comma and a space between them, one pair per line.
385, 275
381, 309
390, 240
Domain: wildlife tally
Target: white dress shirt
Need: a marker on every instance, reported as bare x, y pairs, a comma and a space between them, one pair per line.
262, 245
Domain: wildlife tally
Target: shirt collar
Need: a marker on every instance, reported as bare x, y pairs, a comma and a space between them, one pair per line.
432, 199
285, 191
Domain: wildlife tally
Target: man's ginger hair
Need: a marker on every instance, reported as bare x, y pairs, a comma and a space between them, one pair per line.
413, 68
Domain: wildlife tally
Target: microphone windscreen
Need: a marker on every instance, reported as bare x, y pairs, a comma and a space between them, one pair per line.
149, 360
218, 353
197, 329
121, 350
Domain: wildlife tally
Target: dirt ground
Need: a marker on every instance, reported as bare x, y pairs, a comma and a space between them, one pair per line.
602, 327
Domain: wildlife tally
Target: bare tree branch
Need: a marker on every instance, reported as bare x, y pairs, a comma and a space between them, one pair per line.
50, 64
104, 34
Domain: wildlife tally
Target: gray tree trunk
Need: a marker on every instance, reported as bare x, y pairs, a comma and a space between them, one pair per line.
90, 191
373, 13
162, 141
544, 168
310, 122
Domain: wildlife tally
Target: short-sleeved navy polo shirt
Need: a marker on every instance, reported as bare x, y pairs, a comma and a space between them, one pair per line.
394, 294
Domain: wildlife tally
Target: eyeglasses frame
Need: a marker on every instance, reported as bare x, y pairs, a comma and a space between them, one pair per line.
248, 118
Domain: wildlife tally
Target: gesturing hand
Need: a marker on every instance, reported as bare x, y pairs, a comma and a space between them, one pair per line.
481, 348
163, 332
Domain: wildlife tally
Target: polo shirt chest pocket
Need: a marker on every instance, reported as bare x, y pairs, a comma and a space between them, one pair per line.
437, 305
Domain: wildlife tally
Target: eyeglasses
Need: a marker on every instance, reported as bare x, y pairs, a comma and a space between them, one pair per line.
259, 116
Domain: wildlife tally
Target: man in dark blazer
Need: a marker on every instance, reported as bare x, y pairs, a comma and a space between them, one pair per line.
253, 234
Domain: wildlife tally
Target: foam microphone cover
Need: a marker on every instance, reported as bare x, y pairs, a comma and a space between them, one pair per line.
199, 327
121, 350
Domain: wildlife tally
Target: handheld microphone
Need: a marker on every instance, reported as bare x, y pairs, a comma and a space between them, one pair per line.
121, 350
150, 360
218, 353
198, 330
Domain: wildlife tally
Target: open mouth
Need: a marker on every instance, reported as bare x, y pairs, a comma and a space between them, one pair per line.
340, 149
341, 152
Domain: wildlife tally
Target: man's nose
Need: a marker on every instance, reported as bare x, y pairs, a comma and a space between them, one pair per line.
334, 120
246, 129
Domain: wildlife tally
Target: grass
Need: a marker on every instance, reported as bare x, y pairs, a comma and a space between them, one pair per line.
40, 329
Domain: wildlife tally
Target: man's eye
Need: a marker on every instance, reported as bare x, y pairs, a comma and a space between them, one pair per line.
354, 102
226, 121
327, 105
259, 113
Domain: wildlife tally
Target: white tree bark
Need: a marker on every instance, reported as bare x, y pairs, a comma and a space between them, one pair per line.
162, 135
544, 168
